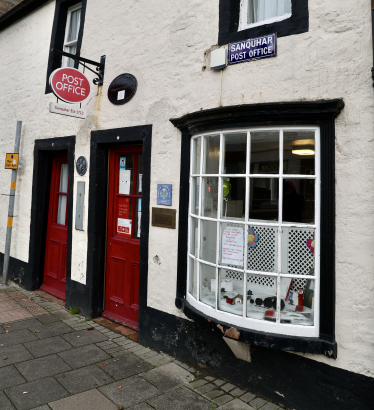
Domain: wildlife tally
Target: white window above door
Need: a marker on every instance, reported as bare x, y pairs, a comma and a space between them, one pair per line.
71, 33
259, 12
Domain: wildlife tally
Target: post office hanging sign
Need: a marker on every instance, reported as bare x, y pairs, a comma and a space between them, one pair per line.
70, 85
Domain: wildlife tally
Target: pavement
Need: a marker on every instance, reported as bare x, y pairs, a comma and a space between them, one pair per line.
52, 359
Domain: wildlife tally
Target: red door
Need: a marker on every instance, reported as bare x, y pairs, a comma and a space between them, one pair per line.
54, 280
123, 235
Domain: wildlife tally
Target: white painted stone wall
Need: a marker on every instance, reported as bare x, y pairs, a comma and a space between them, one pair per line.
163, 46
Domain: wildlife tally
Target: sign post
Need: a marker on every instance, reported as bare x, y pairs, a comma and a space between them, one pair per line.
11, 203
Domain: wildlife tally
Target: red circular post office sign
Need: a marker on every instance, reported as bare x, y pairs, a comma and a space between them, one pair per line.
70, 85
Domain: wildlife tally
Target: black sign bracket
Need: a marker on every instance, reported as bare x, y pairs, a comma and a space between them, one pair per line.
100, 67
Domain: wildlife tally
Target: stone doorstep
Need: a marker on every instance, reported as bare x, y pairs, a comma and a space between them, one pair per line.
117, 328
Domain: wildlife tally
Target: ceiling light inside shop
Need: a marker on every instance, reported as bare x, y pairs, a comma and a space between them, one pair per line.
303, 147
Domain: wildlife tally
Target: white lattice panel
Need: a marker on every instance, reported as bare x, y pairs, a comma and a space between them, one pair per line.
262, 257
300, 260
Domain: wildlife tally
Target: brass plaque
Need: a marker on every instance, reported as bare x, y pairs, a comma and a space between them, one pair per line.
164, 218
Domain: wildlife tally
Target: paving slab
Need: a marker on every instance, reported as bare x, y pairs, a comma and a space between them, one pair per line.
235, 404
213, 394
124, 366
270, 406
141, 406
39, 392
14, 354
52, 329
5, 404
83, 356
17, 337
85, 378
247, 397
1, 329
168, 377
90, 400
42, 367
222, 399
130, 391
45, 407
257, 402
55, 317
22, 324
45, 347
180, 399
10, 376
84, 337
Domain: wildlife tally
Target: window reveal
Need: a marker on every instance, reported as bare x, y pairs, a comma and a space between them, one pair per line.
254, 212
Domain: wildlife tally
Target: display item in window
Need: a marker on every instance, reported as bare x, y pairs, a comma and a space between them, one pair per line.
253, 238
310, 244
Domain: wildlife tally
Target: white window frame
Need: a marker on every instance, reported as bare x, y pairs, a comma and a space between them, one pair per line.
243, 321
68, 44
243, 21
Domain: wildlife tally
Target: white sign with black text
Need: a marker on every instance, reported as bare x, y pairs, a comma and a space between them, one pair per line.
63, 109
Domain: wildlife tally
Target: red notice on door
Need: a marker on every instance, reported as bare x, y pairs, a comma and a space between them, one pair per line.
124, 224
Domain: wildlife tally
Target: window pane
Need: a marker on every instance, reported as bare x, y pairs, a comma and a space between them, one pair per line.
298, 200
208, 240
139, 175
264, 199
192, 286
195, 192
259, 10
262, 291
298, 251
232, 245
61, 212
265, 152
126, 166
262, 249
208, 284
64, 177
196, 155
193, 236
211, 154
138, 217
74, 25
235, 153
299, 152
299, 301
71, 50
210, 197
231, 291
233, 198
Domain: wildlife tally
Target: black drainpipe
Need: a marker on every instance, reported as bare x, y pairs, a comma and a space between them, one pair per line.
372, 35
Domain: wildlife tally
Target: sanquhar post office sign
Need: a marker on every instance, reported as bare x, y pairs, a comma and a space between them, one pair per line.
253, 49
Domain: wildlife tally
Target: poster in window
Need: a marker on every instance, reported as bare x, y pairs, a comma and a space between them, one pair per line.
123, 227
232, 246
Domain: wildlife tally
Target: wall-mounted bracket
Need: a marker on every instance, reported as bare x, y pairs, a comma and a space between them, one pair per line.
100, 67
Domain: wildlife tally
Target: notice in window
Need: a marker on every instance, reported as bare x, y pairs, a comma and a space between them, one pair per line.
124, 226
124, 181
232, 246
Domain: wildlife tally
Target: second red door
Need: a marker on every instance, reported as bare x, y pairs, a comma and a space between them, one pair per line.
54, 279
123, 235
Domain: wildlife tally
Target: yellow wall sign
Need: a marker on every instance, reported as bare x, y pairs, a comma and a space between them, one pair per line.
11, 161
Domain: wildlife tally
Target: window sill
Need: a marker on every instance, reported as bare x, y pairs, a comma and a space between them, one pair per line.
261, 339
246, 26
